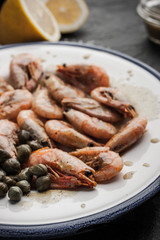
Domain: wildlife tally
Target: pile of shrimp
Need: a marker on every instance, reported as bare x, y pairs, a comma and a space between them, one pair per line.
73, 113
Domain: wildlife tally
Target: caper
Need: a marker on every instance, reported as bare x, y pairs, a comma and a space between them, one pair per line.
24, 136
2, 173
14, 177
9, 181
25, 174
15, 194
34, 144
3, 189
43, 183
11, 165
24, 186
38, 170
23, 152
4, 155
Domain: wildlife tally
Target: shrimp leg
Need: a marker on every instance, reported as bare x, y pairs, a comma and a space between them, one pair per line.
67, 171
25, 72
115, 99
107, 164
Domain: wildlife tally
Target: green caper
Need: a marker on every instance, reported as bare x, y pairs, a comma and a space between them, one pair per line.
4, 155
3, 189
24, 136
43, 183
15, 194
23, 152
2, 174
25, 174
11, 165
14, 177
38, 170
9, 181
24, 186
34, 144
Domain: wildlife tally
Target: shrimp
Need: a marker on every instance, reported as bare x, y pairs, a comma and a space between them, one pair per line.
8, 136
58, 89
90, 125
67, 171
85, 77
107, 164
63, 133
114, 98
12, 102
25, 71
128, 134
30, 122
44, 106
91, 108
4, 86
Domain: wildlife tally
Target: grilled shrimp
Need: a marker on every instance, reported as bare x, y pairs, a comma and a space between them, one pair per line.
8, 136
85, 77
30, 122
44, 106
12, 102
4, 86
58, 89
90, 125
25, 71
92, 108
67, 171
112, 97
63, 133
128, 134
107, 164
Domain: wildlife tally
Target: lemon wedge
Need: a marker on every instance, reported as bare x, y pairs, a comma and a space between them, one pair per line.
25, 21
70, 14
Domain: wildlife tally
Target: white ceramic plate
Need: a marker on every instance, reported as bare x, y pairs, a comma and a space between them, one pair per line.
58, 212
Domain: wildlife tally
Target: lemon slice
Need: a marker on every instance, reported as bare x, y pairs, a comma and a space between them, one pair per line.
70, 14
27, 20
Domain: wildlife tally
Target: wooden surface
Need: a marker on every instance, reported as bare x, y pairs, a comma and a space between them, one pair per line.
115, 24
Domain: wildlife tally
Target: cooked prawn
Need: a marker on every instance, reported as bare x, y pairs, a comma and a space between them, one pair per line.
4, 86
85, 77
25, 71
107, 164
58, 89
30, 122
63, 133
128, 134
112, 97
90, 125
45, 106
67, 171
92, 108
8, 136
12, 102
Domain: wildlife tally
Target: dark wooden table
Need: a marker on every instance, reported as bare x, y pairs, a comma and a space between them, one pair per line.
115, 24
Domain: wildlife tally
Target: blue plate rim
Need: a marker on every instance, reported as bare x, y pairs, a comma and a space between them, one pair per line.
71, 227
